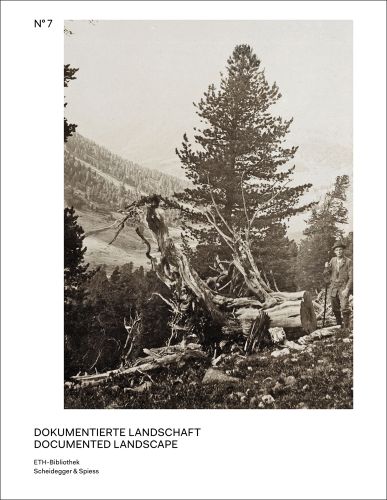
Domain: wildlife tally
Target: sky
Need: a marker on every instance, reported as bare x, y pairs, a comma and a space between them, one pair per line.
137, 82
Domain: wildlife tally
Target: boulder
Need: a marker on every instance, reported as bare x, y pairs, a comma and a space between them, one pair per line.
267, 399
277, 334
289, 381
293, 345
141, 388
213, 376
319, 334
280, 353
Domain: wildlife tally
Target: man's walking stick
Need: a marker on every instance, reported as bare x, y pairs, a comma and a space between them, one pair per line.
326, 280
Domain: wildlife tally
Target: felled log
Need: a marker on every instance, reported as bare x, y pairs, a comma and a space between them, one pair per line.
160, 358
296, 311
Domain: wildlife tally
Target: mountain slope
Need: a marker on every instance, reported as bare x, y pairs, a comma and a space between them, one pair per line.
95, 177
97, 184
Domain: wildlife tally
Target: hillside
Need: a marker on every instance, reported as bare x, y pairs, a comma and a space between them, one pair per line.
127, 248
96, 177
97, 183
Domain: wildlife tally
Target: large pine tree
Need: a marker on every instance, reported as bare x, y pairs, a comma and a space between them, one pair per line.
239, 158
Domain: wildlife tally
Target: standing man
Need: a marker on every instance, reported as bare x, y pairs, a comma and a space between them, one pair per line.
339, 271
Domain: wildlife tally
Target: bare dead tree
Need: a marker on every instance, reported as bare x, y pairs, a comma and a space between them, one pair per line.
285, 309
100, 348
133, 329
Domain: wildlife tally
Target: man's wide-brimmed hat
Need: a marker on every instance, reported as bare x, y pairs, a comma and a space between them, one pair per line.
338, 244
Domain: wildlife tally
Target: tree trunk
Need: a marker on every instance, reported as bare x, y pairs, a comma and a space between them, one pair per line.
285, 309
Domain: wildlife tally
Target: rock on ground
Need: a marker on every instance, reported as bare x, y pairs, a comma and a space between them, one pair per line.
141, 388
213, 376
318, 334
293, 345
289, 381
267, 399
277, 334
280, 353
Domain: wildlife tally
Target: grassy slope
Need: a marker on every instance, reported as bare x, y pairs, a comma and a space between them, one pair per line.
128, 247
323, 379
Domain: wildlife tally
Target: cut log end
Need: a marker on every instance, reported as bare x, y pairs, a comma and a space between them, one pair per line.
308, 315
296, 311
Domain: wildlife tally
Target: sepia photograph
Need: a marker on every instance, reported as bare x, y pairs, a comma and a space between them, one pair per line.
208, 221
181, 186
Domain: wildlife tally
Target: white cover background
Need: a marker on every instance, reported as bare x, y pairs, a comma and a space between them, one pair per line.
240, 454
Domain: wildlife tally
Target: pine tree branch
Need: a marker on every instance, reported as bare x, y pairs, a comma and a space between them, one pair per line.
244, 204
226, 239
259, 208
217, 209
